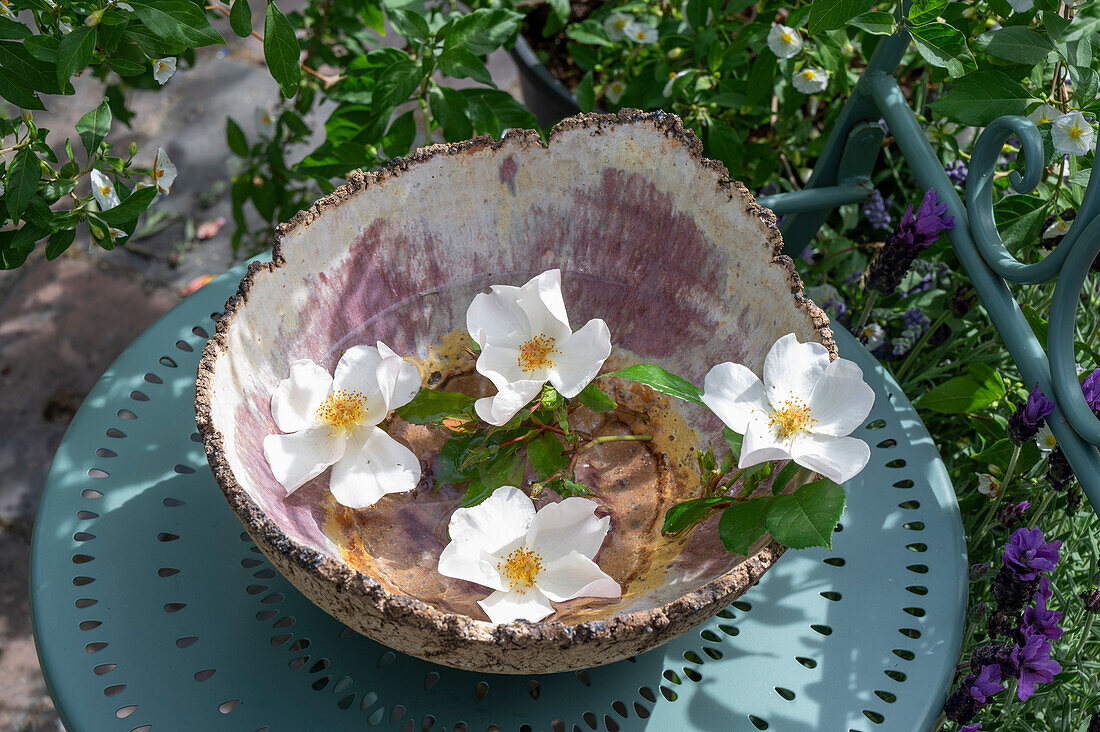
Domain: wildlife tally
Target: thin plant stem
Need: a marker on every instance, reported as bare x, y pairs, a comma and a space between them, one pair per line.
866, 311
1085, 630
921, 343
601, 440
1000, 495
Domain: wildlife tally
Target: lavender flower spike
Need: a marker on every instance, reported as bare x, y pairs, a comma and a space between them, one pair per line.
1025, 422
974, 694
1039, 620
914, 233
1036, 665
976, 727
1027, 554
1091, 389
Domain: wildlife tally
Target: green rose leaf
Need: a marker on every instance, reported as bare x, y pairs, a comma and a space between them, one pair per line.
981, 97
75, 52
661, 380
594, 398
945, 46
506, 468
460, 63
281, 51
784, 476
93, 127
734, 440
430, 406
131, 207
742, 524
22, 181
240, 18
545, 454
688, 513
832, 14
177, 21
808, 516
967, 393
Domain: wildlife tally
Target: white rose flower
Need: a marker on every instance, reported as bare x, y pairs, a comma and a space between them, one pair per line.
1071, 133
1045, 439
614, 91
1057, 229
528, 558
1043, 113
333, 421
164, 69
526, 341
810, 81
802, 411
1021, 6
988, 485
164, 173
783, 41
103, 190
672, 77
265, 123
616, 24
640, 33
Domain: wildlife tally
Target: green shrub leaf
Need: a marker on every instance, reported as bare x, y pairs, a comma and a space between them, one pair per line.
808, 516
281, 51
661, 380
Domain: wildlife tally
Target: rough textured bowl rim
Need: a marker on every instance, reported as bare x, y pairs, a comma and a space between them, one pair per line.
453, 627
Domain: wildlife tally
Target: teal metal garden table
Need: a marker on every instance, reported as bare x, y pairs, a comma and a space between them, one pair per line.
154, 611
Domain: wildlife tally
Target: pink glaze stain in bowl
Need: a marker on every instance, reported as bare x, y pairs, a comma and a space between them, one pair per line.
680, 262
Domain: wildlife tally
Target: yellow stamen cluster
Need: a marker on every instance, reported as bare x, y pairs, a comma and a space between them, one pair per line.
793, 416
521, 568
786, 37
105, 190
808, 75
343, 409
1075, 132
535, 353
620, 23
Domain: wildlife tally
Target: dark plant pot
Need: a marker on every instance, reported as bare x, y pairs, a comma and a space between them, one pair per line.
547, 98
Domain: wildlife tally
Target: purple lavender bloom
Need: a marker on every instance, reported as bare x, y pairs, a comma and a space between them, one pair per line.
1059, 471
1027, 554
956, 172
976, 727
1040, 621
874, 210
1025, 422
913, 233
1092, 600
1036, 665
974, 694
1091, 389
997, 654
916, 320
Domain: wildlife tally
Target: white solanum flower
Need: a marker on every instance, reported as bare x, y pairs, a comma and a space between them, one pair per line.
164, 173
529, 558
104, 191
810, 81
526, 340
672, 77
803, 410
1045, 439
333, 420
783, 41
615, 90
641, 33
1071, 133
616, 24
874, 334
265, 123
1021, 6
114, 233
122, 6
64, 27
1043, 113
6, 11
2, 190
988, 485
164, 69
1057, 229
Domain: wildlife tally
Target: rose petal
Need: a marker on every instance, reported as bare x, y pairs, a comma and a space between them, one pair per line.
357, 370
499, 522
541, 300
793, 369
496, 318
295, 402
733, 392
761, 443
461, 561
837, 458
373, 465
506, 607
841, 400
500, 365
575, 575
580, 358
498, 409
398, 379
302, 456
571, 525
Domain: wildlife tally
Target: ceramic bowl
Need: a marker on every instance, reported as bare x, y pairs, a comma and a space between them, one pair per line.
681, 263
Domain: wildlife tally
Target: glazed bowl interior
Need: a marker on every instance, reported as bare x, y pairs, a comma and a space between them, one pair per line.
649, 236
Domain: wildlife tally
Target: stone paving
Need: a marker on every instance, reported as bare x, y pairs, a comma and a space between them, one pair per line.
63, 322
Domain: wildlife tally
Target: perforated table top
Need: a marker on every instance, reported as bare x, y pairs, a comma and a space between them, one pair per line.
153, 611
